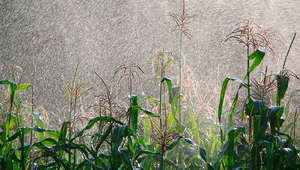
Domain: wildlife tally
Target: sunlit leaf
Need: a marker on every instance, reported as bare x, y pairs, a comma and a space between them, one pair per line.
257, 56
155, 100
166, 65
222, 94
22, 87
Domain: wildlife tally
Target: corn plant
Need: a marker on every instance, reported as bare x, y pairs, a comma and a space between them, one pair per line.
13, 119
263, 146
72, 92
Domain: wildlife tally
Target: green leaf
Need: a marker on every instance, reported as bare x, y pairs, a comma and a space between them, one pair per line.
27, 130
275, 119
13, 87
236, 132
144, 110
141, 142
117, 139
192, 121
268, 165
22, 87
125, 158
53, 134
134, 114
105, 119
147, 129
173, 144
286, 135
282, 85
40, 123
104, 136
175, 94
149, 153
155, 100
291, 157
176, 57
220, 156
188, 140
166, 65
203, 156
93, 121
259, 119
150, 114
13, 137
258, 56
48, 142
59, 161
169, 84
63, 133
222, 95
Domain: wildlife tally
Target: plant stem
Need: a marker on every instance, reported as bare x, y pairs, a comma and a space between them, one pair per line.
22, 165
130, 96
161, 164
160, 93
248, 89
70, 125
179, 102
288, 51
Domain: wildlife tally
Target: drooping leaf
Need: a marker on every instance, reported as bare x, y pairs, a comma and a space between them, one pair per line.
12, 86
150, 153
155, 100
166, 65
40, 123
176, 57
222, 94
204, 157
59, 161
257, 56
275, 118
104, 136
169, 84
291, 157
175, 94
95, 120
148, 113
282, 85
173, 144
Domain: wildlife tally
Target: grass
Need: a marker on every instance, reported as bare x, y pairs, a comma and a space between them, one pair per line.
179, 128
